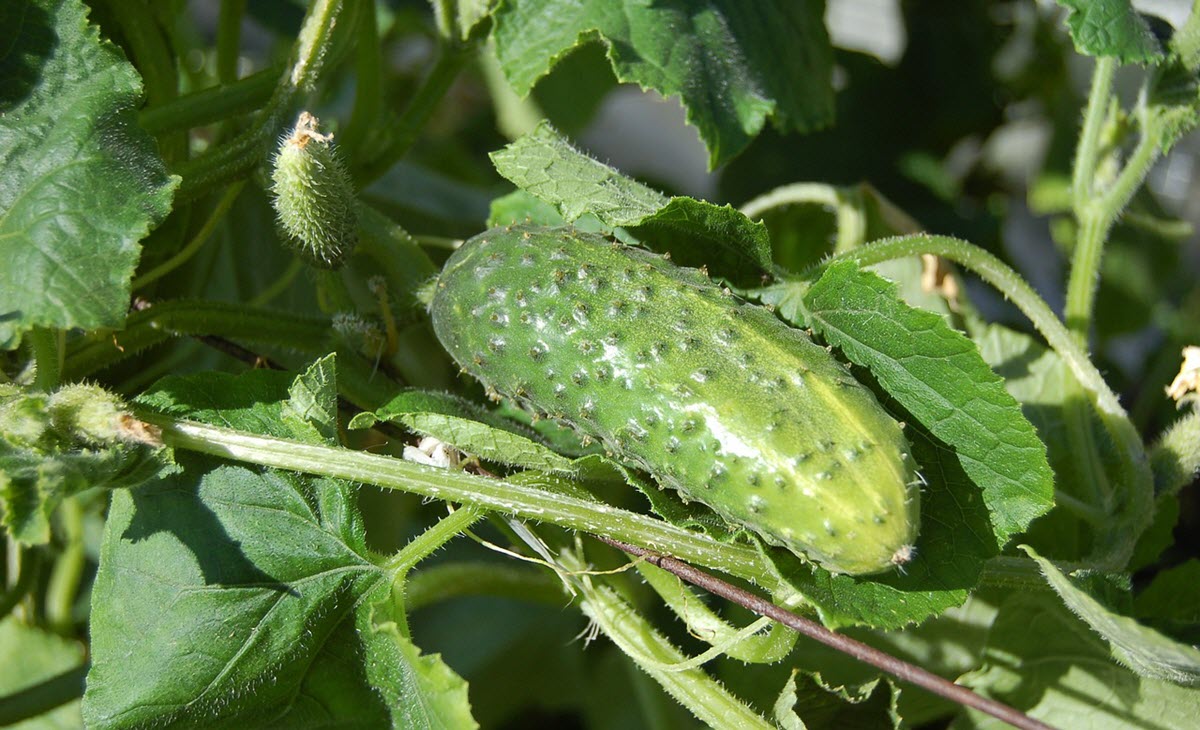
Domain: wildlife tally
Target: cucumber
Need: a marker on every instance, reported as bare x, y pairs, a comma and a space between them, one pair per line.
716, 398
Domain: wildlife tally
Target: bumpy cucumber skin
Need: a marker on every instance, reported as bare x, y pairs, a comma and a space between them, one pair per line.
717, 399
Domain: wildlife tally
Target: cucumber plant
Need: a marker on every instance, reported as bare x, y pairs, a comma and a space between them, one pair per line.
229, 347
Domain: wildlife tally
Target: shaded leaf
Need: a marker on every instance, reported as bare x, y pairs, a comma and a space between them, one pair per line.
1043, 660
1141, 648
734, 65
230, 595
694, 232
82, 183
1171, 602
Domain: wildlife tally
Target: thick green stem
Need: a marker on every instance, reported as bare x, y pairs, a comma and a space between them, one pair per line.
703, 696
368, 59
422, 105
23, 573
68, 569
508, 497
238, 157
424, 545
47, 347
429, 541
161, 322
1095, 209
213, 104
1087, 152
229, 39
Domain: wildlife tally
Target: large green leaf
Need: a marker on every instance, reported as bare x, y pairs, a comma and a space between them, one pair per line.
938, 376
230, 596
1043, 660
694, 232
82, 184
733, 64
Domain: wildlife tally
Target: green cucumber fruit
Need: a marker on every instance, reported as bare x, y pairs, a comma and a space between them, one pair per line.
314, 196
716, 398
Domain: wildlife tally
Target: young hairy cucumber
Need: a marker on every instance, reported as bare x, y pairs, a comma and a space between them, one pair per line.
715, 398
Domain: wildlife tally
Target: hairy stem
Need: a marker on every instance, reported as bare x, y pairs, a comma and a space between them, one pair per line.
368, 59
1087, 151
160, 322
67, 573
213, 104
47, 347
507, 497
898, 668
703, 696
229, 39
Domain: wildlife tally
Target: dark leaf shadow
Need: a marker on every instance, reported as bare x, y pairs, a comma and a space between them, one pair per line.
174, 505
27, 40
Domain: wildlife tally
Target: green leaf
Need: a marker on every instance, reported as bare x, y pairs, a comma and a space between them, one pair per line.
1171, 602
214, 580
823, 707
1141, 648
397, 667
467, 427
938, 376
30, 655
694, 232
734, 65
470, 14
520, 206
82, 184
1174, 98
547, 166
1085, 465
1111, 28
1043, 660
311, 409
230, 595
